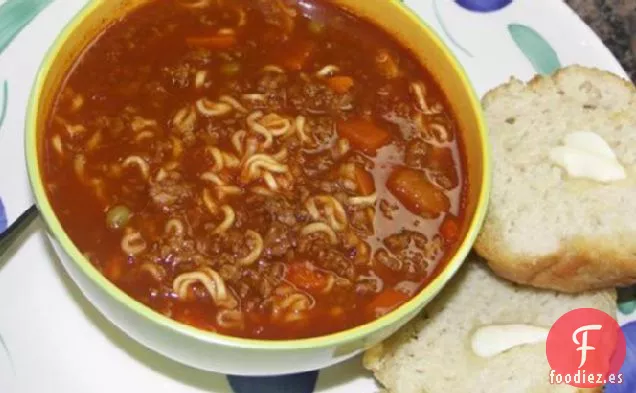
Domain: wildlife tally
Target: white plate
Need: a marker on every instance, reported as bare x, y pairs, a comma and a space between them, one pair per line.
54, 341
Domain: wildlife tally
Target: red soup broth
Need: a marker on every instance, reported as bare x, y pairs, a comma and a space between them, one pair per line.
264, 169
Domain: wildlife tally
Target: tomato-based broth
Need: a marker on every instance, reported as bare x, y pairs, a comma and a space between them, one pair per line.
266, 169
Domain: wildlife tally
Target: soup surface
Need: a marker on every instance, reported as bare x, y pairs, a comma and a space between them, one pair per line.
267, 169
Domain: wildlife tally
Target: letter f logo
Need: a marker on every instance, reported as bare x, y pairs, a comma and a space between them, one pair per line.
583, 343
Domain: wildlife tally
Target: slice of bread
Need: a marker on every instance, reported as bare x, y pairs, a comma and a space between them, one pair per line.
432, 354
545, 228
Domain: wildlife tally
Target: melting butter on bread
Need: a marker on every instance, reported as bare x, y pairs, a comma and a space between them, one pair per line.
562, 209
435, 352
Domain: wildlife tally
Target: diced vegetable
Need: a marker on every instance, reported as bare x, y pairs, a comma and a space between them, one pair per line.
449, 229
217, 41
413, 189
117, 217
303, 276
230, 69
363, 134
297, 56
340, 84
114, 268
386, 301
364, 180
439, 158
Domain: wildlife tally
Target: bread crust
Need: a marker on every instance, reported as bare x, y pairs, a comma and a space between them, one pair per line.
581, 263
559, 75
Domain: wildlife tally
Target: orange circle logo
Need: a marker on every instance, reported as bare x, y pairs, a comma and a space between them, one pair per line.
585, 349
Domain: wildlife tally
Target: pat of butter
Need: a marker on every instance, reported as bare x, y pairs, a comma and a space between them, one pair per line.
585, 154
492, 340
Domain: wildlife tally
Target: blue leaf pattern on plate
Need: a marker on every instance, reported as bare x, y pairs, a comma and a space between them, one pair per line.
483, 5
542, 56
3, 217
628, 371
293, 383
3, 114
15, 15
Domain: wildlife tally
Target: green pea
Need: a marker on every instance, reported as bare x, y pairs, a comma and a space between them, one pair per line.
229, 69
117, 217
316, 27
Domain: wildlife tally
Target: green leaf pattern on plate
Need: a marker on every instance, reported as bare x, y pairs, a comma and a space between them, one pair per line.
15, 15
543, 57
447, 31
4, 102
627, 307
5, 348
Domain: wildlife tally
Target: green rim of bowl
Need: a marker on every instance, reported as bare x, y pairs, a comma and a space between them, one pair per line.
335, 339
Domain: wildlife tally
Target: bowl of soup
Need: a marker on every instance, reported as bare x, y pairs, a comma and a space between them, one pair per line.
256, 187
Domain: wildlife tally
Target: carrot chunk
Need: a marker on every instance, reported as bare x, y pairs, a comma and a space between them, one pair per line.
413, 189
364, 181
441, 161
340, 84
218, 41
114, 268
304, 276
386, 301
449, 229
363, 134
